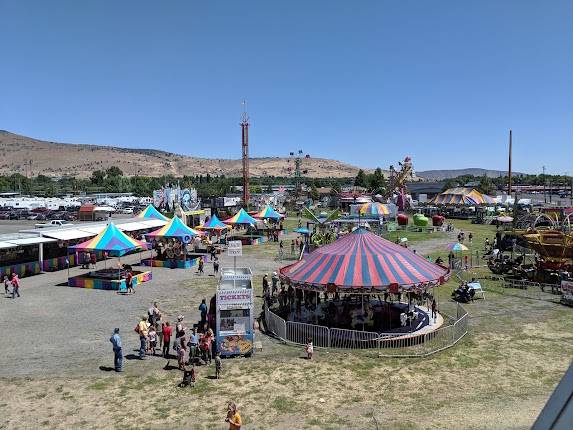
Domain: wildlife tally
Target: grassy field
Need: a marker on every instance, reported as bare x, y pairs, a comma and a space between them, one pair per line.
499, 376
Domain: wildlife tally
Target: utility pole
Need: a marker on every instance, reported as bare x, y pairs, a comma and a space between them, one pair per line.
544, 193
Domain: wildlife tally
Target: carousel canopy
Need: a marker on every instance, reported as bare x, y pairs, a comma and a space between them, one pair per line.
213, 224
151, 212
113, 241
174, 228
241, 217
363, 260
462, 196
268, 213
374, 209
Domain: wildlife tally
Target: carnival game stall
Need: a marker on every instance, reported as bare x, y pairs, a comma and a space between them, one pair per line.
114, 243
216, 231
252, 236
272, 221
362, 282
151, 213
234, 312
171, 242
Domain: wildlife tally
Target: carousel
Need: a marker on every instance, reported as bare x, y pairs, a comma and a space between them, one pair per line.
362, 282
110, 242
173, 244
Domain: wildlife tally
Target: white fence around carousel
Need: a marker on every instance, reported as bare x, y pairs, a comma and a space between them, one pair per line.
388, 344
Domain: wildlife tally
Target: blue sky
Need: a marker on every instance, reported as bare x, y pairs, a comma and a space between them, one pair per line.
366, 82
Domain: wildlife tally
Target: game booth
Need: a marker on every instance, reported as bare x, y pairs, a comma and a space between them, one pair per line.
114, 243
271, 219
172, 242
251, 236
234, 312
151, 213
215, 229
362, 282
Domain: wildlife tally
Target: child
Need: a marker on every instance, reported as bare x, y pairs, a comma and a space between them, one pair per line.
181, 353
129, 282
309, 349
152, 334
189, 377
218, 365
6, 284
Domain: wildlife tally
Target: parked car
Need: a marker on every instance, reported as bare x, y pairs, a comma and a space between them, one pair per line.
4, 215
53, 223
127, 211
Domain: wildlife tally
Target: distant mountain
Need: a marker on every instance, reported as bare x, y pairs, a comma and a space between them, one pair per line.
440, 175
20, 154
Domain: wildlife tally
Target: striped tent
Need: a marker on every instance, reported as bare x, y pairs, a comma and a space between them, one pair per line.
268, 213
175, 228
241, 217
374, 209
113, 241
214, 224
362, 260
462, 196
151, 213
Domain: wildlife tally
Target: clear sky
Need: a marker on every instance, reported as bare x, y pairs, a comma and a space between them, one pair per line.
366, 82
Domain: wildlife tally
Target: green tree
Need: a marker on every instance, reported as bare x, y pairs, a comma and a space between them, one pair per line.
314, 195
486, 185
114, 171
98, 177
360, 180
377, 181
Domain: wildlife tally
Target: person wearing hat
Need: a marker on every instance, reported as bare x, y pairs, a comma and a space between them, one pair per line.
275, 282
117, 353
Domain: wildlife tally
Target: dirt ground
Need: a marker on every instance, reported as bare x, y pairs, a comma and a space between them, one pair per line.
56, 343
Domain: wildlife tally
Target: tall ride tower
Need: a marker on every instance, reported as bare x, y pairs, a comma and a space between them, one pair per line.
245, 148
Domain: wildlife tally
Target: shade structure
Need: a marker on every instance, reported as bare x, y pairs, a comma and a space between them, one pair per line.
374, 209
176, 229
364, 261
457, 246
214, 224
113, 241
241, 217
302, 230
503, 219
268, 213
151, 213
462, 196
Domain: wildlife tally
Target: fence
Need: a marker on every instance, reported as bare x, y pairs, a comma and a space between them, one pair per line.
388, 344
523, 289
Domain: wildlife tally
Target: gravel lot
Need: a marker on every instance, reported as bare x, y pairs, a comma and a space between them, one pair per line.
61, 330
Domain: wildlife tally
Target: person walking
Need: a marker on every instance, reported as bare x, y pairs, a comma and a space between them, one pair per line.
309, 348
15, 285
215, 266
201, 265
142, 330
265, 283
167, 331
129, 282
434, 309
6, 285
117, 353
274, 283
203, 309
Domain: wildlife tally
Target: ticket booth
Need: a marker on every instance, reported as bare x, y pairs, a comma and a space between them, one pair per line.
234, 312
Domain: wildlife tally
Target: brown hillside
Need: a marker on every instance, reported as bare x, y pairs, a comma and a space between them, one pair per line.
20, 154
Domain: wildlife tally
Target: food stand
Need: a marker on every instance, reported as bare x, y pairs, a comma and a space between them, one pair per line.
234, 315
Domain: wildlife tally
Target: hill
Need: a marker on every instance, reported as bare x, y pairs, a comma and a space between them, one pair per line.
28, 156
439, 175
